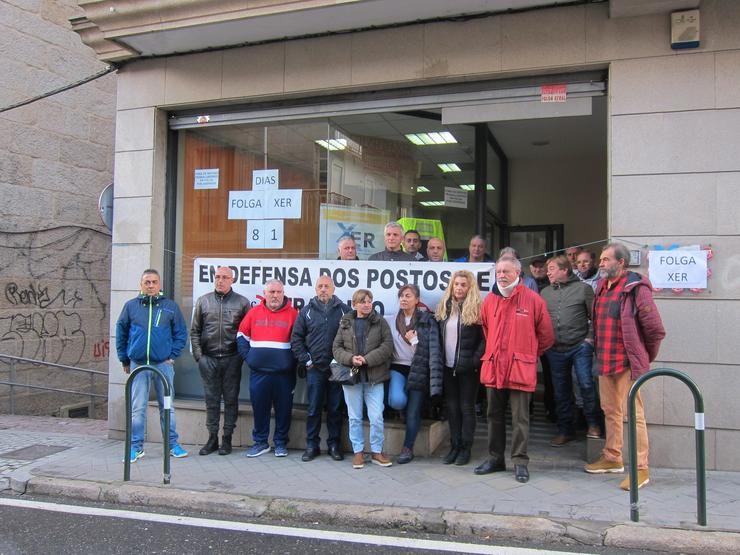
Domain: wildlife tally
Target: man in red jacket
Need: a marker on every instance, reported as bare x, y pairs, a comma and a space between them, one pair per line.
518, 330
627, 335
263, 341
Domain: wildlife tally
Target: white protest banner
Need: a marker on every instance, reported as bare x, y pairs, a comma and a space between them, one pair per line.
299, 277
678, 269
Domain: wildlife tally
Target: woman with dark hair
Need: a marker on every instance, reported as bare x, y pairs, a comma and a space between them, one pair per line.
458, 313
416, 367
364, 341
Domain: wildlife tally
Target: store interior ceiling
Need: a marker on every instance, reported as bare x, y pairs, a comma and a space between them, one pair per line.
294, 142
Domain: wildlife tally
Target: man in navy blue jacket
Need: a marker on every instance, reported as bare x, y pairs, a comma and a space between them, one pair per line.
150, 331
312, 338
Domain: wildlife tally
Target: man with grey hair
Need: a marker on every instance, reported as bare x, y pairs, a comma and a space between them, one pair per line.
529, 281
476, 251
518, 329
263, 341
628, 331
347, 248
392, 236
216, 320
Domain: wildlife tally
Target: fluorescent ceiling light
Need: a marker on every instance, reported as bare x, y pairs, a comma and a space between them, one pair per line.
333, 144
449, 167
431, 138
432, 203
422, 189
471, 187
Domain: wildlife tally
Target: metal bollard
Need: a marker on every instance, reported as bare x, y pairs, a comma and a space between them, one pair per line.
165, 429
701, 474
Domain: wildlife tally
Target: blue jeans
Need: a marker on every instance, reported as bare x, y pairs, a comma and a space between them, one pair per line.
140, 398
412, 401
397, 397
321, 391
581, 357
372, 395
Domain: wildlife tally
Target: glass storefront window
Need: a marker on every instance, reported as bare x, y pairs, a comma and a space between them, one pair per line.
353, 174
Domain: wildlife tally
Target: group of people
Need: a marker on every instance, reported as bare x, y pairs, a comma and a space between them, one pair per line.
402, 360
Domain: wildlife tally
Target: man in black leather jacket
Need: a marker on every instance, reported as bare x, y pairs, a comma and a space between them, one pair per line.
213, 337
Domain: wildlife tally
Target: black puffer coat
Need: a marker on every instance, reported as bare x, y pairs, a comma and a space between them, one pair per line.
470, 344
426, 366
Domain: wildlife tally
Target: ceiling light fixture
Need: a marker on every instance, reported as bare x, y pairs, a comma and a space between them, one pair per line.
432, 203
421, 189
471, 187
333, 144
449, 167
432, 138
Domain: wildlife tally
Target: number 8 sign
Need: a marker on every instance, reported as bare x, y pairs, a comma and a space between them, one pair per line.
265, 234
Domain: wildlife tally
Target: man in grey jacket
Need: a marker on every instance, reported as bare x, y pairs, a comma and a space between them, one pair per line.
213, 331
392, 237
569, 302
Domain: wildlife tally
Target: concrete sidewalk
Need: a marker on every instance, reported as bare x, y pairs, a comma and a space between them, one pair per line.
561, 503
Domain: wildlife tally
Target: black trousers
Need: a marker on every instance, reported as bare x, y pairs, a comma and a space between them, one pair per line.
461, 391
221, 379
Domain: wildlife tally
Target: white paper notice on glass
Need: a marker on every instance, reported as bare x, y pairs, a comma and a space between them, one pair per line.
265, 180
678, 269
206, 179
456, 198
265, 234
283, 203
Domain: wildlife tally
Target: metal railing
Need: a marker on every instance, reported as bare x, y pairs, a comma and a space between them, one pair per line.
13, 383
701, 478
167, 404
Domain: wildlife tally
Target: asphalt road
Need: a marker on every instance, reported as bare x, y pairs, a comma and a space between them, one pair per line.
39, 527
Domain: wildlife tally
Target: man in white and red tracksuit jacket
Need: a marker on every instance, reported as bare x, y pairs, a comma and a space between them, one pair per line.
263, 341
518, 330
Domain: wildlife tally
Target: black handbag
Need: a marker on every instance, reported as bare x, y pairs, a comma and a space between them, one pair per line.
343, 374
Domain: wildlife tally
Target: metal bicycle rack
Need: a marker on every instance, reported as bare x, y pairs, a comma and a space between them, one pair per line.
165, 427
701, 478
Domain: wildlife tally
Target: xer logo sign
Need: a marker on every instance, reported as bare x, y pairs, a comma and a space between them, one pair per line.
363, 239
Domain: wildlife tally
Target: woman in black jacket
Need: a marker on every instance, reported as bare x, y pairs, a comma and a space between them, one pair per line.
416, 367
458, 313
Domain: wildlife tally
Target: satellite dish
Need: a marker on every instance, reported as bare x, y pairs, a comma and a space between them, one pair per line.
105, 206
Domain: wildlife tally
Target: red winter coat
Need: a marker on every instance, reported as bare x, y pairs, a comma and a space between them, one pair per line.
518, 330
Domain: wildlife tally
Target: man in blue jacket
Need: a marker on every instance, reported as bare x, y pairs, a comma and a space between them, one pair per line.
150, 331
312, 338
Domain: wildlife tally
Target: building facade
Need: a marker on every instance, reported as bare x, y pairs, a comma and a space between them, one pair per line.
575, 124
55, 160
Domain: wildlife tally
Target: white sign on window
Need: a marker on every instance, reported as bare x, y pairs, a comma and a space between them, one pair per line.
271, 204
206, 179
265, 234
246, 205
283, 203
263, 180
456, 198
678, 269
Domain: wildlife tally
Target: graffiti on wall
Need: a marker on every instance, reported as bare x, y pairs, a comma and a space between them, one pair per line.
56, 284
39, 296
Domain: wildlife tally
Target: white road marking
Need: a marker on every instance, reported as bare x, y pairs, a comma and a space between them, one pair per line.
329, 535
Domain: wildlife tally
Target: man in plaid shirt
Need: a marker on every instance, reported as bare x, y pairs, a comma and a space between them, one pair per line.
627, 335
